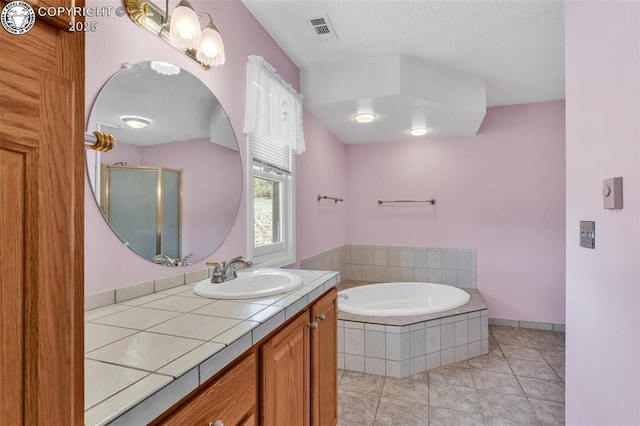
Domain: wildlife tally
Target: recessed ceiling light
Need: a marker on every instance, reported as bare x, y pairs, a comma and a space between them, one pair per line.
364, 118
136, 122
419, 131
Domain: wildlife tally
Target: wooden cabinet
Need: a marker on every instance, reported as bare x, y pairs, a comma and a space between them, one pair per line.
299, 369
297, 379
229, 400
285, 380
324, 361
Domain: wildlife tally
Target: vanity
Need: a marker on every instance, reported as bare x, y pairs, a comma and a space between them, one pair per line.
157, 352
275, 363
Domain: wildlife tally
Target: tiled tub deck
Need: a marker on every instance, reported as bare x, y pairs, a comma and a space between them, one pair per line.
403, 346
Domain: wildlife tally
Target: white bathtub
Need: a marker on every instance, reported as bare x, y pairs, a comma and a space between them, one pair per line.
400, 299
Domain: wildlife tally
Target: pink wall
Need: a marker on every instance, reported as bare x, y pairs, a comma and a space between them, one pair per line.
210, 180
108, 263
602, 56
321, 169
124, 152
501, 192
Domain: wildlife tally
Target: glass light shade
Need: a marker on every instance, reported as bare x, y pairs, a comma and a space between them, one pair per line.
184, 30
165, 68
211, 49
419, 131
364, 118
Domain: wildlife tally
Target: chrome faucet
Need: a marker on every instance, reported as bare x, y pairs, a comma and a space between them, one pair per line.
163, 259
221, 272
166, 260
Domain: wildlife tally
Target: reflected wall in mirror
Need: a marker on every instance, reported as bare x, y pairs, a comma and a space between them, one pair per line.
171, 188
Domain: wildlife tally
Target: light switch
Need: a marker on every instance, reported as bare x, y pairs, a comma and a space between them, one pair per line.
612, 193
587, 234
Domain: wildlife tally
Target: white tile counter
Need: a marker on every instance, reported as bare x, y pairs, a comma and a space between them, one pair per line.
145, 354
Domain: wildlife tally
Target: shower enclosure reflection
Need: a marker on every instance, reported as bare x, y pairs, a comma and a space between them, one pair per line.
143, 206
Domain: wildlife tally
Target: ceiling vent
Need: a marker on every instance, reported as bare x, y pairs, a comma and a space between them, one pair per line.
323, 28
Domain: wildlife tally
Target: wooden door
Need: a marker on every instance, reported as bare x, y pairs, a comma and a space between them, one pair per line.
324, 361
285, 376
41, 225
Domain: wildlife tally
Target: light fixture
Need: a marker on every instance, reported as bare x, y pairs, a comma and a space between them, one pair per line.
165, 68
419, 131
364, 118
181, 29
184, 28
135, 122
211, 49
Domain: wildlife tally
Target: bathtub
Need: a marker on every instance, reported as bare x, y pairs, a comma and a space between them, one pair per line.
400, 329
406, 298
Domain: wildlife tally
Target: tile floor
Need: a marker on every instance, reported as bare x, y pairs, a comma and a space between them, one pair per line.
520, 382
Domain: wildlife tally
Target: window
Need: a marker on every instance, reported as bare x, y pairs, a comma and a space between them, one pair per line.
271, 213
273, 124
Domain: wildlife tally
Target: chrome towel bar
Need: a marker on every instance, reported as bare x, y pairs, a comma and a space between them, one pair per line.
326, 197
430, 201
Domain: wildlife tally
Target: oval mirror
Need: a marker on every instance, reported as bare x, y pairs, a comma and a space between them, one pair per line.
171, 188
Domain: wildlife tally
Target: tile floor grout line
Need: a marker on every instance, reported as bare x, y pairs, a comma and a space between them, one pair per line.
498, 353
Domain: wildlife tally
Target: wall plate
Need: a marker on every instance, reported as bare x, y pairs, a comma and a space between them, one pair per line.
587, 234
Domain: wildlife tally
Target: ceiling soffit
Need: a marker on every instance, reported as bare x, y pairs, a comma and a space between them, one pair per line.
403, 92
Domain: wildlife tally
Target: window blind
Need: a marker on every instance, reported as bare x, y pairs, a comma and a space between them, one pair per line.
268, 152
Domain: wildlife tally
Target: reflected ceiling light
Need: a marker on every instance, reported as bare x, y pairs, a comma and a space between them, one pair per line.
419, 131
135, 122
211, 49
165, 68
364, 118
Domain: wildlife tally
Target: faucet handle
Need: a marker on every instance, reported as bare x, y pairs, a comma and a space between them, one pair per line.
215, 265
217, 276
224, 264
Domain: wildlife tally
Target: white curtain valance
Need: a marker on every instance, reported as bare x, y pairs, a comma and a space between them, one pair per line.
273, 109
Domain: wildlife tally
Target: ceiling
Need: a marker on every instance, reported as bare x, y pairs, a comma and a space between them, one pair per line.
515, 47
179, 107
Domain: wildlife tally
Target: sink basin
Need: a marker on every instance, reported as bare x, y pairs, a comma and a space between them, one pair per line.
250, 285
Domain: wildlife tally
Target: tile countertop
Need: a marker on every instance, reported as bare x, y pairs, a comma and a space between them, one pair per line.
145, 354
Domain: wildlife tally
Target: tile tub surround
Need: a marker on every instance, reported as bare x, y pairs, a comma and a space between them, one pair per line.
451, 266
401, 346
145, 354
514, 384
330, 260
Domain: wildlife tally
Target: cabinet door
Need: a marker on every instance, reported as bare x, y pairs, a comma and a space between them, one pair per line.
324, 361
285, 375
229, 400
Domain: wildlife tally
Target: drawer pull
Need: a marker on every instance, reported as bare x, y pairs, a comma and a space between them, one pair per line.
321, 317
313, 325
216, 423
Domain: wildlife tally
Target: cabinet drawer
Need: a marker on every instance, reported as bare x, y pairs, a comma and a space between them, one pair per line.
231, 399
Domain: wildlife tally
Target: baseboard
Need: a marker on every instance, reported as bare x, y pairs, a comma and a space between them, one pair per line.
528, 324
